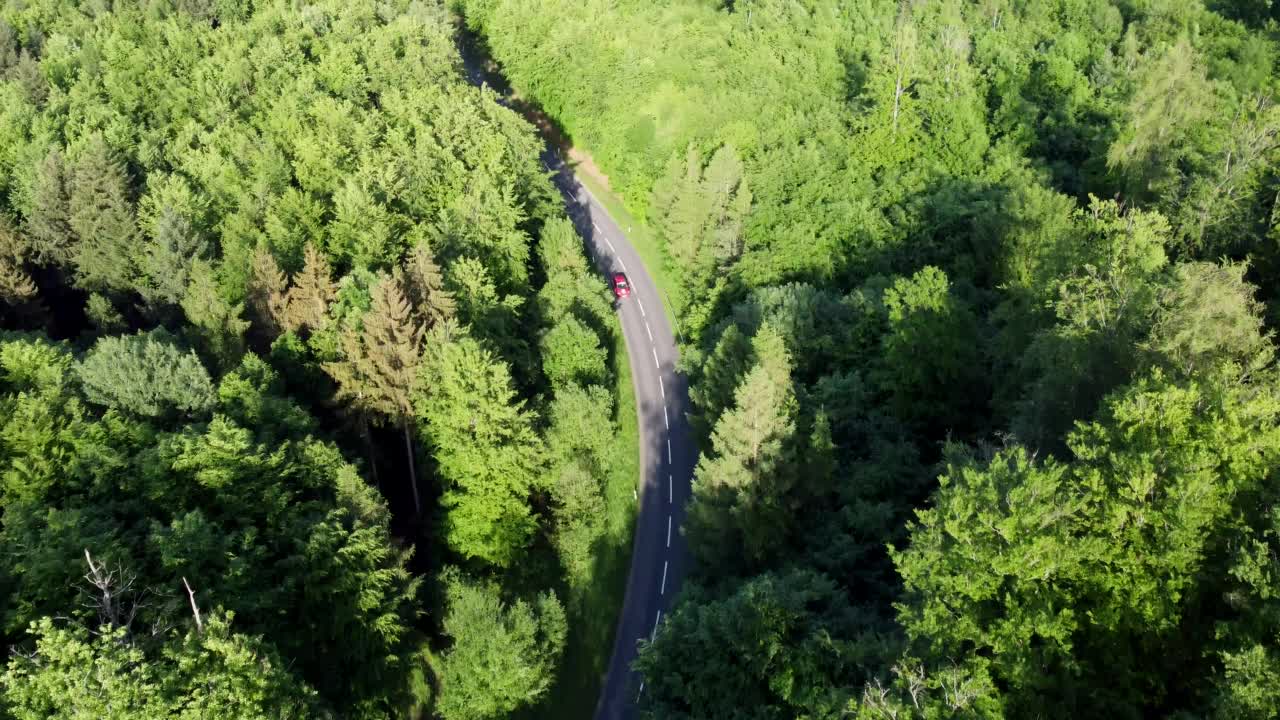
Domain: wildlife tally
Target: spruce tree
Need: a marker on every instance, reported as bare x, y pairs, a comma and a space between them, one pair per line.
266, 299
49, 219
424, 286
218, 323
102, 218
166, 261
380, 365
307, 303
16, 286
741, 489
488, 453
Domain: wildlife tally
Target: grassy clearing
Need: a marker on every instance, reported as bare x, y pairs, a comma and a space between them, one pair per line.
644, 241
593, 607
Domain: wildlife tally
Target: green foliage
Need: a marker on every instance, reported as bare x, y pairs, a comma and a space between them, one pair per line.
580, 444
146, 375
907, 195
1050, 568
931, 347
503, 655
101, 216
216, 322
742, 505
765, 651
207, 673
571, 354
483, 440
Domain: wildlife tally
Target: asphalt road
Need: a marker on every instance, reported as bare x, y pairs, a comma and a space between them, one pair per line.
667, 452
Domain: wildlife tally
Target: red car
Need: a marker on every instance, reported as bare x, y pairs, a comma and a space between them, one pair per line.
621, 288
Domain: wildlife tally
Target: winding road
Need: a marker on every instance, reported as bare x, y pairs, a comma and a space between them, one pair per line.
667, 451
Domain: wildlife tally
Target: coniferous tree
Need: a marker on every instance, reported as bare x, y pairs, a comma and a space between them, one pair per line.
379, 369
424, 285
218, 323
484, 443
49, 220
16, 286
147, 375
313, 289
267, 299
166, 261
741, 489
101, 215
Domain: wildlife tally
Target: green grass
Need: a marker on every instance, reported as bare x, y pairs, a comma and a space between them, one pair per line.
646, 244
593, 606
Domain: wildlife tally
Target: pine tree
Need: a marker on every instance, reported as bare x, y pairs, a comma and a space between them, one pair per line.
307, 303
102, 218
49, 220
424, 286
379, 370
266, 299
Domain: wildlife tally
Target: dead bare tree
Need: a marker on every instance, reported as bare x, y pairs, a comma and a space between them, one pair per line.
115, 594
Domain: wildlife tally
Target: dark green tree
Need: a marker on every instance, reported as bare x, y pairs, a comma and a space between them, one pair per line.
48, 222
101, 215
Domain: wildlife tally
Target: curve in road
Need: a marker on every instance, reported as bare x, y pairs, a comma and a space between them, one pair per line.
667, 452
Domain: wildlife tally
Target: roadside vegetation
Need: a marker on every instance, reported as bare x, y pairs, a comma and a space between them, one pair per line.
979, 302
310, 405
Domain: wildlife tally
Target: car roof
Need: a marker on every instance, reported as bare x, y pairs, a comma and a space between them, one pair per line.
619, 276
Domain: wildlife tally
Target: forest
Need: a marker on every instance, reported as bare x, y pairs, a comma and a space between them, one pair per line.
980, 302
308, 398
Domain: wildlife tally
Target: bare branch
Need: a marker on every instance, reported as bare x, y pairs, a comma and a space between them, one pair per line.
195, 609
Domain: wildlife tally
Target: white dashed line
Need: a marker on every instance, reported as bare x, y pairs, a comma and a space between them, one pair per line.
668, 451
656, 620
624, 269
662, 389
665, 419
646, 329
670, 494
655, 359
610, 244
641, 691
641, 304
594, 225
663, 590
668, 531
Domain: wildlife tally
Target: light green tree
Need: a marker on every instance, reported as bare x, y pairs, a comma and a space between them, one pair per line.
741, 507
572, 355
146, 374
489, 457
503, 656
